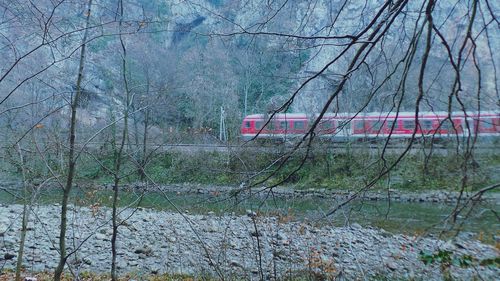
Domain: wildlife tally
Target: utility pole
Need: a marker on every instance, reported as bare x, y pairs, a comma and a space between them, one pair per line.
246, 101
222, 125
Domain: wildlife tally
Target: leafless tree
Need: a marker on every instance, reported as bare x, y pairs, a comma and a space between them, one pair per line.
119, 151
71, 153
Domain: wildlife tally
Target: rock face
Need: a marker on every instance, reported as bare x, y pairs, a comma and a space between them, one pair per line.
155, 242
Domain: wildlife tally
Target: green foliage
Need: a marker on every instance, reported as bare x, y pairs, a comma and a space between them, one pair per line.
348, 171
320, 169
494, 262
441, 257
447, 258
195, 168
341, 171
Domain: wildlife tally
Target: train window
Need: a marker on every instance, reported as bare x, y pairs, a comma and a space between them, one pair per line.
409, 124
247, 124
447, 125
342, 124
298, 125
284, 125
258, 125
486, 124
390, 123
326, 125
426, 124
376, 125
359, 124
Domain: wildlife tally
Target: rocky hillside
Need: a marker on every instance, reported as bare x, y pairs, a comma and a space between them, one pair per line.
187, 59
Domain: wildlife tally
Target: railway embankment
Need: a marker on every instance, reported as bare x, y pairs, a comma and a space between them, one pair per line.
233, 246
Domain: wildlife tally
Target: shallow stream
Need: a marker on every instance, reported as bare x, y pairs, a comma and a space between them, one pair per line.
396, 217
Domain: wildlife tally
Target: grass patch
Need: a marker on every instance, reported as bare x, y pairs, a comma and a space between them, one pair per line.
320, 169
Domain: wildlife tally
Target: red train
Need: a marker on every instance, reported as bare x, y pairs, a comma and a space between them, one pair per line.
373, 125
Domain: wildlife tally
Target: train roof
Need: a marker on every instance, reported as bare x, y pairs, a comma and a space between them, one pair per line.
378, 115
278, 116
412, 113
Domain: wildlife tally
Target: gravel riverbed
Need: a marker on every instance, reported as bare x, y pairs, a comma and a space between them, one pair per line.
428, 196
245, 246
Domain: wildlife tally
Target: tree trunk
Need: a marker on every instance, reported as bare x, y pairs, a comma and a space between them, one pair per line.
71, 157
144, 146
118, 154
24, 223
143, 159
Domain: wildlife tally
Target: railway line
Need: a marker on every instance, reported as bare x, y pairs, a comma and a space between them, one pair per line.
331, 147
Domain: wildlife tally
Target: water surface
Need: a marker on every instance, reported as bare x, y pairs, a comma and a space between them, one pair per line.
395, 217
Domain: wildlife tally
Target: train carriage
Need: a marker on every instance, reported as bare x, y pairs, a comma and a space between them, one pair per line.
374, 125
282, 126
